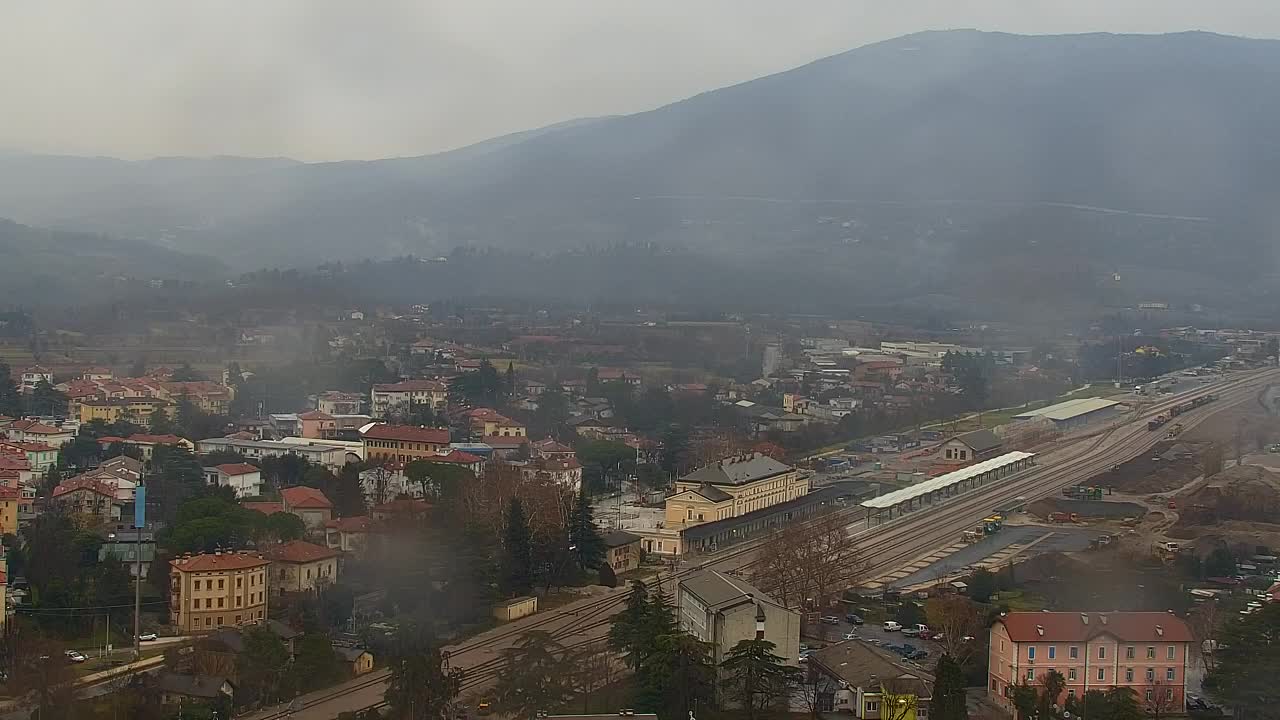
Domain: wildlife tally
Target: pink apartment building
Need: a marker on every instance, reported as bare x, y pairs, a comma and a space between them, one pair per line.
1145, 651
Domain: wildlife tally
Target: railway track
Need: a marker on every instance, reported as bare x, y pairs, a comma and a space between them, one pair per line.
889, 544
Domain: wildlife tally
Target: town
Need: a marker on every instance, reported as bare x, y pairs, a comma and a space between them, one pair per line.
569, 512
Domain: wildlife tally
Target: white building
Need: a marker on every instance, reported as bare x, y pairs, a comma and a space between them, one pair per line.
244, 478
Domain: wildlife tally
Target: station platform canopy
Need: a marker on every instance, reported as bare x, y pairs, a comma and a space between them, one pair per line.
1005, 462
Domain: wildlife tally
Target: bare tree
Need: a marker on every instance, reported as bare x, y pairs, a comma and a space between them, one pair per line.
818, 691
816, 560
1204, 622
956, 617
1160, 702
898, 698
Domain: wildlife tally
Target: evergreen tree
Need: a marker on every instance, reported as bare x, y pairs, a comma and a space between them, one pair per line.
419, 687
948, 691
679, 677
348, 498
517, 552
1248, 661
537, 675
511, 380
675, 448
627, 633
161, 423
756, 678
1122, 704
583, 534
10, 399
46, 400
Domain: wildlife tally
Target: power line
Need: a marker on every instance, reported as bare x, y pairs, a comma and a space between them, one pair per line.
103, 608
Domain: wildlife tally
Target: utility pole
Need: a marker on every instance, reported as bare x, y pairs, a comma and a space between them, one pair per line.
139, 522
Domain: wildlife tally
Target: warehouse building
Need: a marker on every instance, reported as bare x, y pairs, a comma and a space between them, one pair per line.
1075, 413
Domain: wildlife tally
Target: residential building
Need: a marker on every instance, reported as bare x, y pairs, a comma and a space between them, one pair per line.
971, 447
123, 466
731, 487
566, 472
860, 679
1148, 652
722, 611
622, 551
506, 446
15, 470
147, 444
486, 421
464, 460
136, 410
215, 590
39, 456
179, 689
330, 455
300, 566
33, 376
551, 449
88, 497
401, 509
405, 395
244, 478
403, 443
317, 425
126, 545
334, 402
307, 503
10, 498
32, 431
349, 534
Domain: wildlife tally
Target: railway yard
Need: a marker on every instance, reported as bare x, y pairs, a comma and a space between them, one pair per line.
912, 547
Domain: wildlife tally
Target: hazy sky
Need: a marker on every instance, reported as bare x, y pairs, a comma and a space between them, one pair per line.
322, 80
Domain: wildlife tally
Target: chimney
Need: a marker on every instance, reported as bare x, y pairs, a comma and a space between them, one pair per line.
1084, 618
1160, 631
760, 619
1040, 630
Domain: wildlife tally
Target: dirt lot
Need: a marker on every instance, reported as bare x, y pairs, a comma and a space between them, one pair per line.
1170, 465
1239, 506
1099, 581
1087, 508
1256, 423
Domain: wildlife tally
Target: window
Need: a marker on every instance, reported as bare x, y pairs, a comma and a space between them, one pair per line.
1128, 674
239, 601
872, 706
1102, 652
1053, 651
1168, 674
1128, 653
1073, 652
1151, 653
208, 622
221, 584
1102, 674
1071, 693
1031, 652
219, 619
220, 602
1168, 693
1171, 652
1002, 645
1031, 674
239, 582
1071, 673
208, 603
1151, 675
993, 686
1148, 695
195, 604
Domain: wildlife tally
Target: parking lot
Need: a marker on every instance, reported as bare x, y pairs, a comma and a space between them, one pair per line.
827, 634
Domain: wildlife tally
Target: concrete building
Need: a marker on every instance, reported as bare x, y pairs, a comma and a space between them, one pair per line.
334, 402
1148, 652
309, 504
1075, 413
860, 679
403, 443
216, 590
404, 395
300, 566
971, 447
244, 478
32, 431
326, 454
622, 550
722, 611
732, 487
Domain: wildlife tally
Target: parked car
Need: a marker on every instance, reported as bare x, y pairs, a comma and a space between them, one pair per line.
75, 656
918, 655
851, 635
853, 618
831, 619
892, 626
921, 631
148, 637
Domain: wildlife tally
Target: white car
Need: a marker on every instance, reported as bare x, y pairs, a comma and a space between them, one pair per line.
75, 656
851, 635
148, 637
892, 626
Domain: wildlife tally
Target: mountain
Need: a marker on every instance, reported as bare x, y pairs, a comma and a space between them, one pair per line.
928, 167
53, 267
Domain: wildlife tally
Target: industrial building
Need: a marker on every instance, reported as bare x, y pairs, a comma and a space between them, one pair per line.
1073, 414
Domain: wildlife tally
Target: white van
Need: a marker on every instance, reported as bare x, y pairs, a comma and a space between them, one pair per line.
891, 626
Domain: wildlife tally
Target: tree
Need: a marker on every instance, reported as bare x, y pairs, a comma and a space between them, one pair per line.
755, 678
1220, 563
421, 685
816, 560
510, 380
949, 701
899, 699
678, 677
956, 617
1205, 622
161, 423
627, 631
909, 614
1159, 701
262, 666
517, 552
42, 674
1248, 660
283, 526
348, 498
675, 449
1025, 699
10, 399
315, 664
584, 538
185, 373
1051, 685
608, 577
46, 400
982, 585
610, 456
1122, 704
537, 675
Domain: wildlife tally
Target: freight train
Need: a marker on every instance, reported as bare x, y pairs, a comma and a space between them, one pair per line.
1178, 409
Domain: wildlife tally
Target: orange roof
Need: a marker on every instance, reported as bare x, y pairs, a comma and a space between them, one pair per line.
266, 508
408, 433
298, 551
35, 427
315, 415
208, 562
305, 498
31, 446
237, 468
357, 524
155, 439
457, 457
14, 462
85, 483
1072, 626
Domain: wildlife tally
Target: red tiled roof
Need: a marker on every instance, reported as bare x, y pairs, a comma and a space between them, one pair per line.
209, 562
457, 457
298, 551
305, 498
36, 427
109, 439
411, 386
408, 433
315, 415
357, 524
552, 446
237, 468
8, 493
155, 439
1071, 627
266, 508
85, 483
14, 462
31, 446
558, 464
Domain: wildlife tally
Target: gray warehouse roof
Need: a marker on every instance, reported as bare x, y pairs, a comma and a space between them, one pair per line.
1068, 410
719, 591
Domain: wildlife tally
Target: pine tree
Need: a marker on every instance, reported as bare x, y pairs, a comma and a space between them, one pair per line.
678, 678
517, 552
948, 691
10, 399
583, 534
756, 678
511, 380
626, 634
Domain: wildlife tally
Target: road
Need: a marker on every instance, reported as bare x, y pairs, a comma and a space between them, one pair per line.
887, 546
